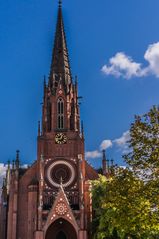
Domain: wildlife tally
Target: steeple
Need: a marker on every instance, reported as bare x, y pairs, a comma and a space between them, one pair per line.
104, 164
17, 161
60, 67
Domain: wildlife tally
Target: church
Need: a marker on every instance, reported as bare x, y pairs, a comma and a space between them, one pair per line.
51, 199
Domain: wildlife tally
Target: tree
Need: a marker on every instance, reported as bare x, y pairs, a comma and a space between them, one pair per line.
144, 145
127, 204
121, 208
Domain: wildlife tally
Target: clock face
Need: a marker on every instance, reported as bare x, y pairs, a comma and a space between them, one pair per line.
60, 171
61, 138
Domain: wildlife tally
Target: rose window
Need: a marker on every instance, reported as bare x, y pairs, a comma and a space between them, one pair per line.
61, 172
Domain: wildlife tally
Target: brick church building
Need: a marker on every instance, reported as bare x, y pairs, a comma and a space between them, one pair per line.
51, 199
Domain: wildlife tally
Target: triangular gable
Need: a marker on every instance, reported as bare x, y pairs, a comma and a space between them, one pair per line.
61, 209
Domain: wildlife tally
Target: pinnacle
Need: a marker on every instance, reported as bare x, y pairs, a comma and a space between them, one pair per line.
60, 3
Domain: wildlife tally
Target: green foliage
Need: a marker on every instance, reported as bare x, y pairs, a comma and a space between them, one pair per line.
122, 207
144, 144
127, 204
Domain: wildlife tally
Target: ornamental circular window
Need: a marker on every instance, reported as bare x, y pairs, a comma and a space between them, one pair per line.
60, 171
61, 209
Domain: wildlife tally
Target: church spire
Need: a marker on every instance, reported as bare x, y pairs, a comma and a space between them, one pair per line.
60, 3
60, 67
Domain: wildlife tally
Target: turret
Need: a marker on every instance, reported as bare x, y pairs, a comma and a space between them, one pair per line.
17, 161
105, 164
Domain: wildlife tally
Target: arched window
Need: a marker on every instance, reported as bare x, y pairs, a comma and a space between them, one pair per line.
60, 113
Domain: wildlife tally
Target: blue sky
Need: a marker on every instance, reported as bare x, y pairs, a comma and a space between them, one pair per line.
119, 36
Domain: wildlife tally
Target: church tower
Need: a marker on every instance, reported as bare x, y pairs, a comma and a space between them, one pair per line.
51, 198
61, 145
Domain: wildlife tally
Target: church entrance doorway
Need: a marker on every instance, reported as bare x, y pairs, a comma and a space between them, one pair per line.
61, 235
61, 229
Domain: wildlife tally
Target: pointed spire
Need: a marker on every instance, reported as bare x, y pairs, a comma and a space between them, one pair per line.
60, 3
104, 163
112, 162
60, 66
13, 164
17, 161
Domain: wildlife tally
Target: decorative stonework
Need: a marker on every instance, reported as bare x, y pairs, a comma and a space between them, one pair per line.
61, 209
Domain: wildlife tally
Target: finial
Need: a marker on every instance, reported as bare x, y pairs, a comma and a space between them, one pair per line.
13, 164
17, 155
104, 156
104, 164
60, 3
17, 161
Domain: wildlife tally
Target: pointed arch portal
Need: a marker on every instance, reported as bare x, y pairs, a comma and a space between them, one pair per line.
61, 235
61, 229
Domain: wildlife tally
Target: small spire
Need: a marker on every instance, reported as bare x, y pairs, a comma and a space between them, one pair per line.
104, 155
60, 3
17, 161
17, 155
104, 163
112, 162
13, 164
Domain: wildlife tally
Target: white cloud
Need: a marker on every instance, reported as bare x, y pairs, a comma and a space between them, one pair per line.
93, 154
106, 144
124, 66
122, 142
152, 56
123, 139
